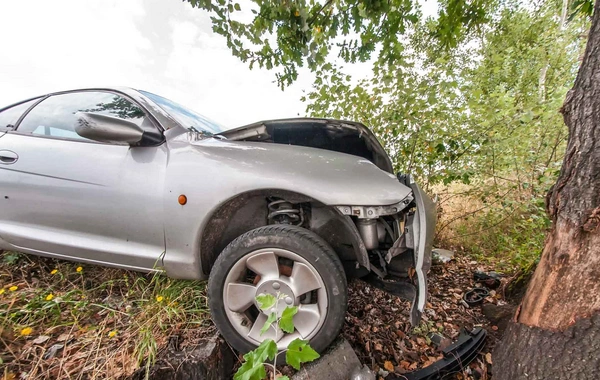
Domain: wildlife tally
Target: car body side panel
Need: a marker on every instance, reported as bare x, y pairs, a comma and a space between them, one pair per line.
99, 203
210, 172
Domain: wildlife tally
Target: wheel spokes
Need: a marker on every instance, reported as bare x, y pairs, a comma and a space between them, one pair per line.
264, 264
307, 319
240, 296
303, 279
269, 334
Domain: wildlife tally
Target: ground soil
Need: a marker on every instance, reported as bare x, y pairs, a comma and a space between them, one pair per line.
376, 324
378, 328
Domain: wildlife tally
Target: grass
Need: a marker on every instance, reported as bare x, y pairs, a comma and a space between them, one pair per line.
506, 230
63, 320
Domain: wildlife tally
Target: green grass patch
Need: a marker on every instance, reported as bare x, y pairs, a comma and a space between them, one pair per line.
65, 320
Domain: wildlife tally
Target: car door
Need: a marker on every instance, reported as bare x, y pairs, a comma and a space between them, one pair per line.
65, 196
9, 116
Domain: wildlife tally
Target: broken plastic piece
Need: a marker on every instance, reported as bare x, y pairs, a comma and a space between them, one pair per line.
475, 296
442, 256
456, 357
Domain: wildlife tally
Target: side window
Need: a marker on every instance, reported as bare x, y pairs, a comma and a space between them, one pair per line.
55, 116
9, 116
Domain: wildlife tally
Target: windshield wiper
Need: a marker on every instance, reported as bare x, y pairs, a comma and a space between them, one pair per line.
205, 133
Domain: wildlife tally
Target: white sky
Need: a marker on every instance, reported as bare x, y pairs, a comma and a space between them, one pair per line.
162, 46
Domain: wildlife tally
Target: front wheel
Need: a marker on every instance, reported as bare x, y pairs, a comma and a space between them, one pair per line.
289, 261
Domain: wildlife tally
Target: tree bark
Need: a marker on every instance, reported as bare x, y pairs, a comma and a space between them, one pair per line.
548, 338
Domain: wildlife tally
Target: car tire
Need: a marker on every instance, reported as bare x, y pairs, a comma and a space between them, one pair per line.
307, 246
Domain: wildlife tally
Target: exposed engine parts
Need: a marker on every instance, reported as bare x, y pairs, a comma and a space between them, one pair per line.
368, 231
381, 233
284, 212
372, 212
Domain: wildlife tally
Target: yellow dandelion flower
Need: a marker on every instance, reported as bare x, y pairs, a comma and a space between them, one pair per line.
54, 271
49, 297
26, 331
159, 298
297, 13
13, 288
2, 291
79, 269
112, 334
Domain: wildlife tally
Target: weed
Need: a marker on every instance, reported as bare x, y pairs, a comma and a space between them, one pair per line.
62, 320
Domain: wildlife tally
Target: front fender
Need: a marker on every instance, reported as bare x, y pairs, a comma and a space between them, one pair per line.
332, 178
209, 172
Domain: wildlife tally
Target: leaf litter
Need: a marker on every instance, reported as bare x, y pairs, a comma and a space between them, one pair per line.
378, 326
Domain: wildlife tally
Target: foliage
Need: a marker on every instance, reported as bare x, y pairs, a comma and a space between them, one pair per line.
297, 352
11, 257
290, 34
483, 115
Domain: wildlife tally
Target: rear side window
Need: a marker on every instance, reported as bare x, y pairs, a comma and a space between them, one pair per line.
55, 116
9, 116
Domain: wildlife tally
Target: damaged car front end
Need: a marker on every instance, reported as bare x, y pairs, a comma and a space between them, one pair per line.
399, 240
393, 242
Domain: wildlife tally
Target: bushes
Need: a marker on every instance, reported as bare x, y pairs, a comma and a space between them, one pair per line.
506, 227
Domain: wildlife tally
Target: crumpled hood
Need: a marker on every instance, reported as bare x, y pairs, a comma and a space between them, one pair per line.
328, 134
332, 178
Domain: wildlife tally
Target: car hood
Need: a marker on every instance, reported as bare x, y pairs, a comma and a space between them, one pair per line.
332, 178
335, 135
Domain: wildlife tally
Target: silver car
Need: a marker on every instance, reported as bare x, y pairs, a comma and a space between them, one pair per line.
126, 178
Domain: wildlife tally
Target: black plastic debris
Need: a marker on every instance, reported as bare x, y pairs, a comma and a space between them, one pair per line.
475, 296
457, 356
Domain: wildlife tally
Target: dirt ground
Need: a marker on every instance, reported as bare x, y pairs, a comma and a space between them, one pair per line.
377, 324
98, 314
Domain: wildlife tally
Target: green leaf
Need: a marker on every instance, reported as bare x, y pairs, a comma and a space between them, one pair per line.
286, 322
267, 349
253, 367
251, 370
266, 301
272, 318
298, 352
283, 378
237, 7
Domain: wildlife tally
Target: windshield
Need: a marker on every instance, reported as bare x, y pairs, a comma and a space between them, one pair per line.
185, 116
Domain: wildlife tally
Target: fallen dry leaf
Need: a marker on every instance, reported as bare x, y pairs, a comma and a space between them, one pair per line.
389, 366
40, 339
488, 358
63, 337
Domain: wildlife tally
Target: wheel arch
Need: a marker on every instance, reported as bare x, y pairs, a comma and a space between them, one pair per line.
247, 211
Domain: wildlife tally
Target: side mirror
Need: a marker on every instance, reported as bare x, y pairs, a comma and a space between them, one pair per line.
108, 129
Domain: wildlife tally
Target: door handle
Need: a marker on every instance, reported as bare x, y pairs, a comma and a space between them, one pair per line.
8, 157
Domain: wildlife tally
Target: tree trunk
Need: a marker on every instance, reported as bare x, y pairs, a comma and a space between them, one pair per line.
556, 329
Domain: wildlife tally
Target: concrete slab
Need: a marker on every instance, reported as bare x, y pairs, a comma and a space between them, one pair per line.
339, 362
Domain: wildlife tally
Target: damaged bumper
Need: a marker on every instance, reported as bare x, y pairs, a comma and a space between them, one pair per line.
399, 241
456, 357
420, 230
